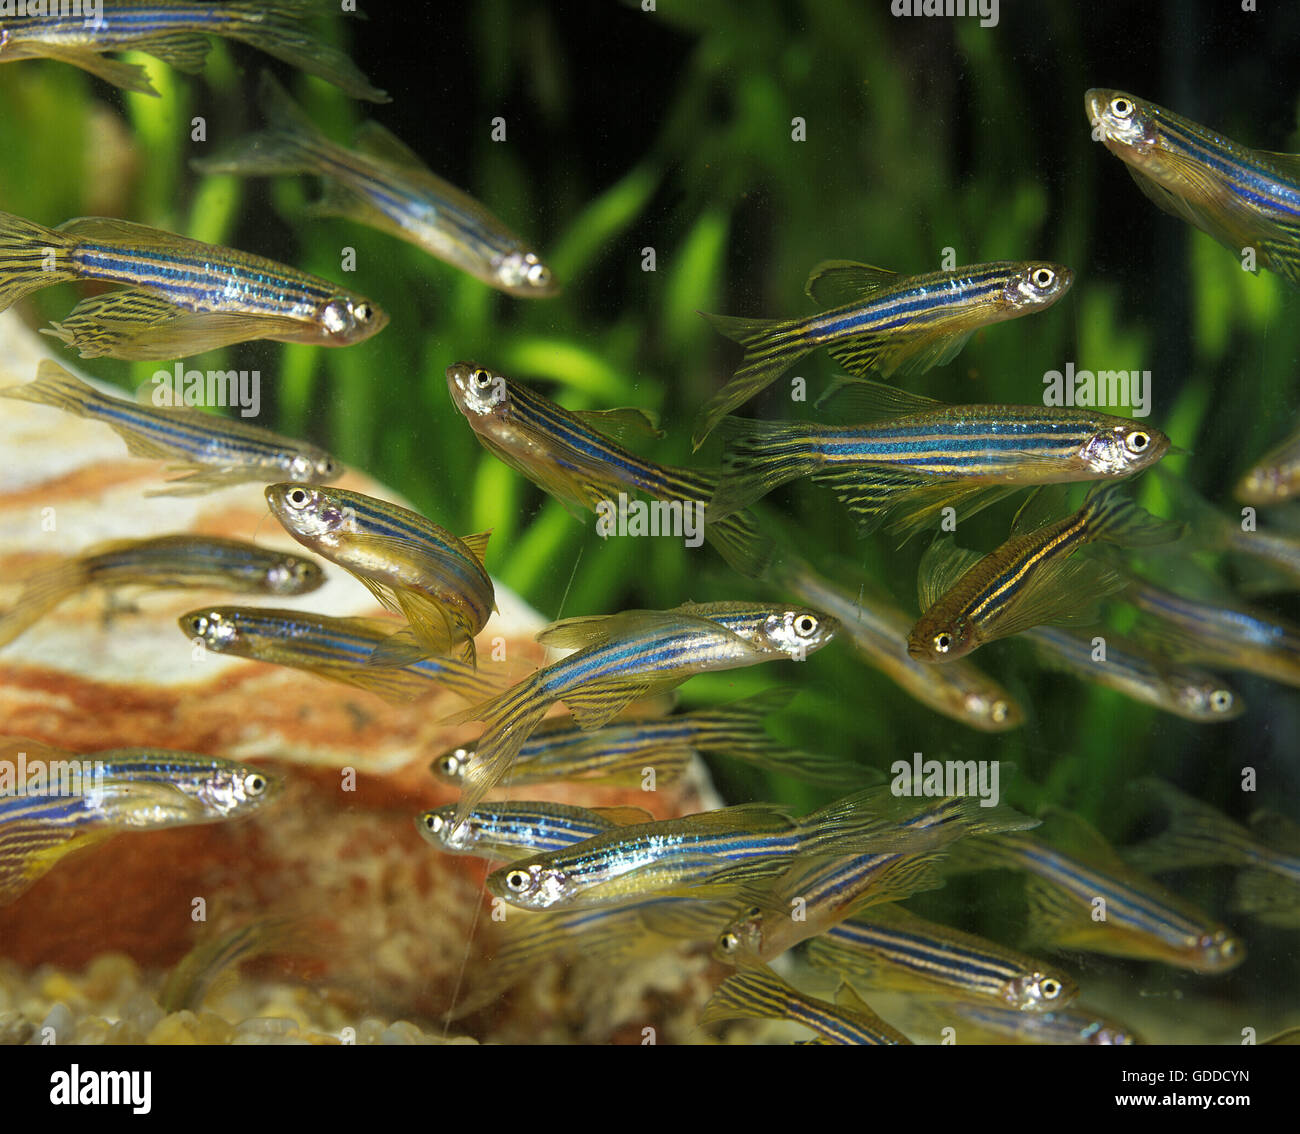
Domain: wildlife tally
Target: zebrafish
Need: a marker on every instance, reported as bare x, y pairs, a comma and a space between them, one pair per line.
758, 993
176, 32
893, 949
335, 648
1218, 633
1275, 477
1192, 694
826, 892
622, 657
619, 753
162, 563
505, 830
875, 320
383, 184
1241, 197
1077, 874
53, 802
1201, 835
411, 565
214, 451
697, 855
570, 455
969, 600
878, 629
909, 456
181, 297
977, 1022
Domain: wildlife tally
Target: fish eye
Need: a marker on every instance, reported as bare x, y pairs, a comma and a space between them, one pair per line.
297, 498
539, 275
729, 942
254, 783
1221, 700
364, 312
433, 822
1043, 278
448, 765
1121, 107
517, 881
1137, 441
481, 378
805, 626
943, 642
998, 711
1050, 988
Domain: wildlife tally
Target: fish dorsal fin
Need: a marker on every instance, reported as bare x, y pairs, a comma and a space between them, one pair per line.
865, 400
942, 564
477, 544
1288, 164
378, 142
1075, 836
837, 283
1276, 830
623, 425
578, 632
624, 816
112, 230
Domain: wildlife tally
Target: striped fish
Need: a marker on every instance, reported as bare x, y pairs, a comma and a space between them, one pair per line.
335, 648
979, 1023
969, 600
1174, 687
1083, 896
920, 455
1201, 835
874, 320
877, 630
506, 830
1219, 633
1275, 478
697, 855
1241, 197
619, 753
411, 565
383, 184
53, 802
894, 949
213, 451
759, 993
622, 657
176, 32
570, 455
181, 297
162, 563
825, 892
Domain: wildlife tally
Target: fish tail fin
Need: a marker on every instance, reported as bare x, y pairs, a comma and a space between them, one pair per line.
41, 594
31, 257
752, 994
760, 456
291, 143
54, 386
771, 346
511, 718
277, 27
1118, 519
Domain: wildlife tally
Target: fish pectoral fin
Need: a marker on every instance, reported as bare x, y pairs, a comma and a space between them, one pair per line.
838, 283
125, 76
599, 702
623, 425
186, 51
866, 400
942, 564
